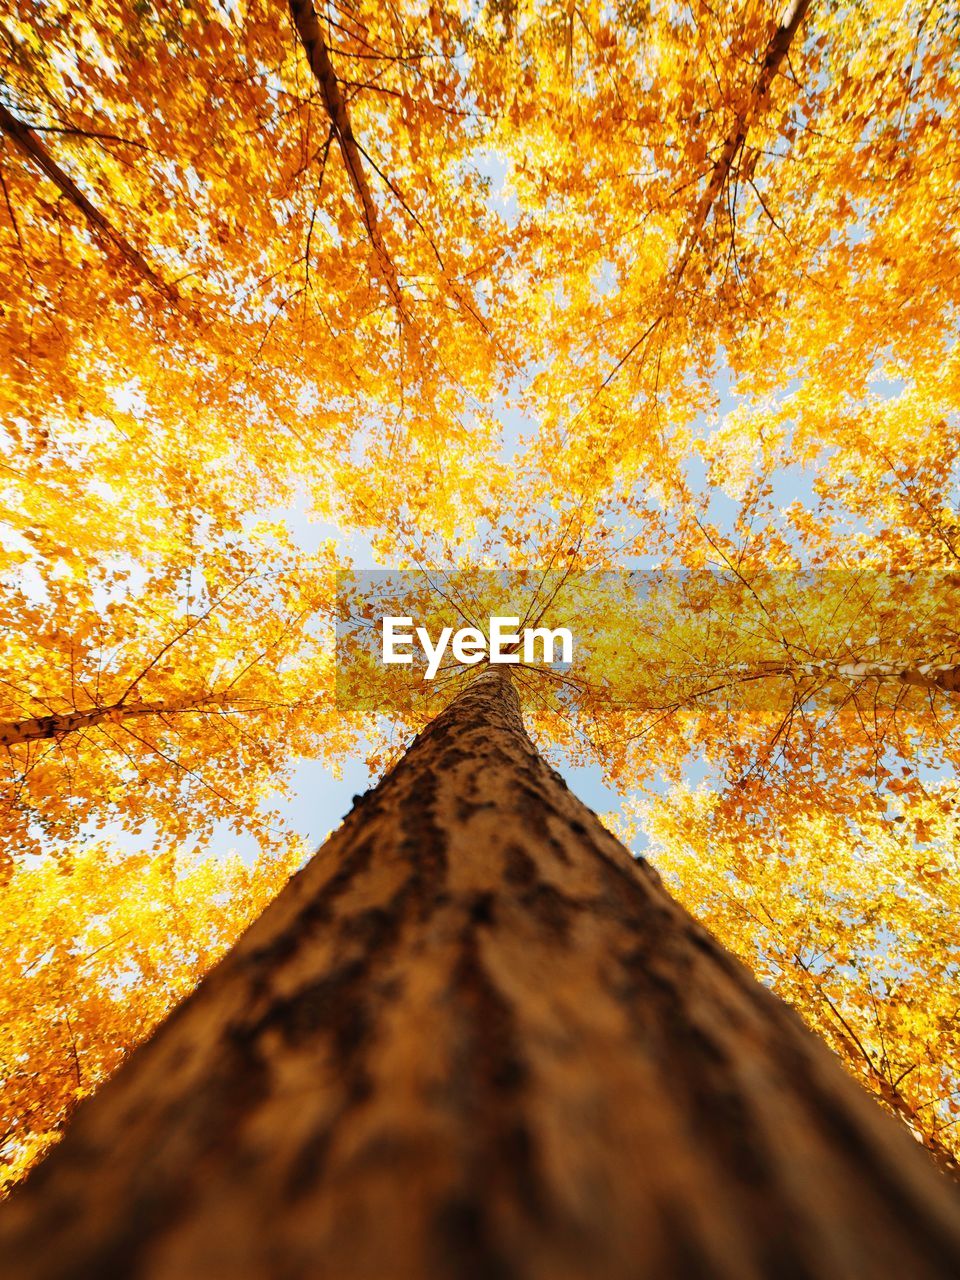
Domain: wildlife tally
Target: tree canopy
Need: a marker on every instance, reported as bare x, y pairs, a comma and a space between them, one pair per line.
568, 292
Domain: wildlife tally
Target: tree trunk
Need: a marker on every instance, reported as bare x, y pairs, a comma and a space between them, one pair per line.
475, 1040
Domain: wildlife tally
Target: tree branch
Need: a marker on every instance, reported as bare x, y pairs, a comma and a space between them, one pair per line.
27, 142
40, 728
736, 138
307, 26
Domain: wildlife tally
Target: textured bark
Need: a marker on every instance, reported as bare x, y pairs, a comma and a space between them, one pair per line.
921, 675
474, 1040
27, 142
60, 724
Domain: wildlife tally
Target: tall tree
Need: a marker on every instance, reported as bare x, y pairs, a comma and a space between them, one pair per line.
291, 258
474, 1037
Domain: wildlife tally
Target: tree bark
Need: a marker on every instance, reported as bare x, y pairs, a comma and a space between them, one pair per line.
59, 724
475, 1040
922, 675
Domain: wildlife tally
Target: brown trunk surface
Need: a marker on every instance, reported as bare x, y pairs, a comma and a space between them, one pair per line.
474, 1040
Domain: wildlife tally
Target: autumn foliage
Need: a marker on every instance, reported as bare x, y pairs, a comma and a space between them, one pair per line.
570, 290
